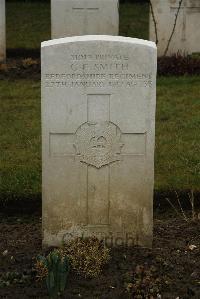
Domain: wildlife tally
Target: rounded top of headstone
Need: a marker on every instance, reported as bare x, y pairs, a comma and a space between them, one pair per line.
88, 38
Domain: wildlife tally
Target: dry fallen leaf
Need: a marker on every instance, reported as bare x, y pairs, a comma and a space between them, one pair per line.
192, 247
5, 252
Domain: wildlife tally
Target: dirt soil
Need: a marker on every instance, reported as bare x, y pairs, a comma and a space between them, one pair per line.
177, 262
20, 68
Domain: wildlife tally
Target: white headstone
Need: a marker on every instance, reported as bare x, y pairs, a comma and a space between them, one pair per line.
98, 119
82, 17
2, 31
186, 37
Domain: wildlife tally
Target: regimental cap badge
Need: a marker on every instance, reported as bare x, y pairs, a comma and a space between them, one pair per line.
98, 143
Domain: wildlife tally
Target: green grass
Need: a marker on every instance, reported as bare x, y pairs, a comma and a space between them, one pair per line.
177, 164
134, 20
20, 138
28, 24
177, 136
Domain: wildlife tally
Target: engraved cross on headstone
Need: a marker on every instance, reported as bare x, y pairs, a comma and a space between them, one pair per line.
95, 145
184, 10
85, 13
85, 9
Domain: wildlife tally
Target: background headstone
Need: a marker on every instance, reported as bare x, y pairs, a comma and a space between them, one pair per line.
82, 17
2, 31
98, 118
186, 38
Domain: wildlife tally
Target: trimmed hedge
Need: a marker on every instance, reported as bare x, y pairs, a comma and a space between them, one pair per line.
178, 65
20, 66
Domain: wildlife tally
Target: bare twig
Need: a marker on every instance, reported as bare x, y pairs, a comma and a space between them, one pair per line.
173, 206
182, 211
191, 197
174, 27
154, 21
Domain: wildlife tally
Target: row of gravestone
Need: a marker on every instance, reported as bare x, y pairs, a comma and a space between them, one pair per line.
80, 17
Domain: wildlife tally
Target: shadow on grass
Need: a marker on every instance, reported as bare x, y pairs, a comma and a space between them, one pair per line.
23, 53
12, 206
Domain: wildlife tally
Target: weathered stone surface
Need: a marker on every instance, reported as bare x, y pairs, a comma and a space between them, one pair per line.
186, 37
2, 31
98, 118
82, 17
